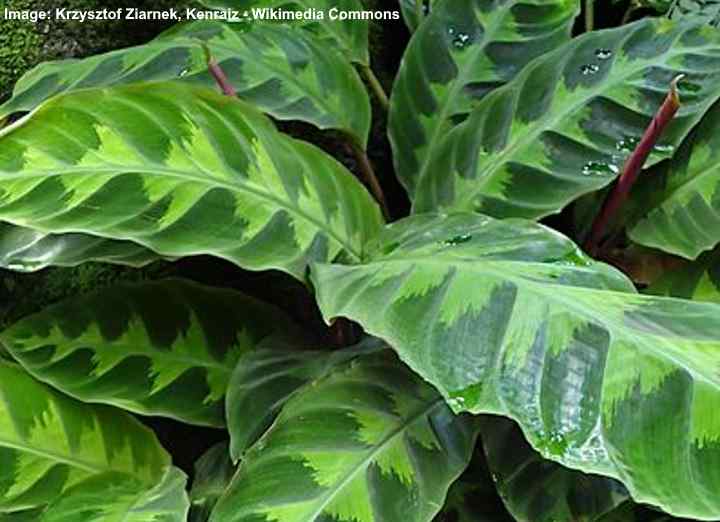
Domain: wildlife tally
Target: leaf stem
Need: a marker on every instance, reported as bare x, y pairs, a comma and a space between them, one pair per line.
633, 166
589, 15
220, 78
375, 86
368, 174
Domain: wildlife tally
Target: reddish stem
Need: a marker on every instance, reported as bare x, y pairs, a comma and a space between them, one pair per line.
219, 74
633, 166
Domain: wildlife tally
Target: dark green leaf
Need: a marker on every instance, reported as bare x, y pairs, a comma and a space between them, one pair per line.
539, 490
464, 49
564, 126
699, 281
156, 348
213, 472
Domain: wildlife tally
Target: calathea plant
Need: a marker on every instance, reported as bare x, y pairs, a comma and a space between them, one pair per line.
605, 393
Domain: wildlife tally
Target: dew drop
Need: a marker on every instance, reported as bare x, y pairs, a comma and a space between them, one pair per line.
627, 144
457, 240
603, 54
461, 40
589, 69
598, 168
451, 31
663, 148
183, 73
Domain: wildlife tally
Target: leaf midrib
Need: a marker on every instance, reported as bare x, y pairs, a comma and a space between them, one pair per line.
370, 457
53, 456
154, 169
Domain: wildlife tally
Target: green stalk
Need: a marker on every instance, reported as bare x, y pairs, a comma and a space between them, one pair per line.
589, 15
375, 86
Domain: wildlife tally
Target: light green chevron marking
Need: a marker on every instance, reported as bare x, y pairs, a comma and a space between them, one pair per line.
153, 348
600, 378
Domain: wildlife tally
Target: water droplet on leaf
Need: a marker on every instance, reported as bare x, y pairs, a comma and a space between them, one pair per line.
589, 69
663, 148
457, 240
184, 72
461, 40
627, 144
598, 168
603, 54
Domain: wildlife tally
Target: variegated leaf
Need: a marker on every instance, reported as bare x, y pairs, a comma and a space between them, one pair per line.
50, 443
564, 126
265, 379
539, 490
117, 497
181, 170
162, 348
369, 442
507, 317
346, 34
464, 49
25, 250
280, 70
213, 472
699, 281
686, 217
706, 10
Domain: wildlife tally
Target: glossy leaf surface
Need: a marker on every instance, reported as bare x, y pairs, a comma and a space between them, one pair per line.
183, 171
163, 348
464, 49
369, 442
26, 250
699, 281
564, 125
507, 317
283, 72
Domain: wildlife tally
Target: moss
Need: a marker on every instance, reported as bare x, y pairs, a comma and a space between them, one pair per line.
23, 44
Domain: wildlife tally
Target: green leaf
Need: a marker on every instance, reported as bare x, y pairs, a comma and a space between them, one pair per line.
117, 497
50, 442
282, 71
706, 10
27, 250
213, 472
369, 442
154, 348
539, 490
265, 379
565, 124
348, 35
686, 218
183, 171
463, 50
507, 317
699, 281
415, 11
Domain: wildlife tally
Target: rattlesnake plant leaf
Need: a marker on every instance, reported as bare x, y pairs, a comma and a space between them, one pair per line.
699, 281
415, 11
348, 35
539, 490
565, 124
686, 217
26, 250
265, 379
368, 442
282, 71
117, 497
507, 317
181, 170
213, 472
160, 348
706, 10
464, 49
50, 442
